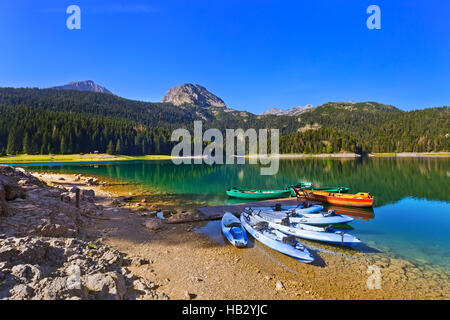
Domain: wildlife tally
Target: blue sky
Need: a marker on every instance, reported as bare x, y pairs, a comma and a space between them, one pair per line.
253, 54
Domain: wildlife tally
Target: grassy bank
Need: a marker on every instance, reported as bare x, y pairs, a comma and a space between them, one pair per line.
25, 158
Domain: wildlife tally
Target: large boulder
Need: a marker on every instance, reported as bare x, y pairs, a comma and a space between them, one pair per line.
106, 286
11, 188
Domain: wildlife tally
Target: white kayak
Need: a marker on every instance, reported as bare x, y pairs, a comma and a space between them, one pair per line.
304, 231
275, 239
299, 209
233, 230
319, 218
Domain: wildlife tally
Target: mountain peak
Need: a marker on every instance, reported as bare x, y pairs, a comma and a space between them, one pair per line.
290, 112
85, 85
193, 94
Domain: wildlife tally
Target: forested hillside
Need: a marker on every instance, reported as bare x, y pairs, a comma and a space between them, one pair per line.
28, 130
52, 121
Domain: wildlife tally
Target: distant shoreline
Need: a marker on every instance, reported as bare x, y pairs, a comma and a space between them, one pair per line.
411, 154
355, 155
70, 158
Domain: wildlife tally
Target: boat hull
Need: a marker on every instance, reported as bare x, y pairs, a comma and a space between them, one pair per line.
257, 194
302, 255
297, 209
236, 235
310, 186
340, 199
313, 233
319, 218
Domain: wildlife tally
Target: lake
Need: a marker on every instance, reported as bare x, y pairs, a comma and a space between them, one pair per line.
410, 218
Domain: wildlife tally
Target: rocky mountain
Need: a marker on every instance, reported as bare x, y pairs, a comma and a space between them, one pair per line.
290, 112
86, 85
192, 94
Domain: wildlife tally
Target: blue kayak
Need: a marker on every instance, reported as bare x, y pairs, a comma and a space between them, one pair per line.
233, 230
275, 239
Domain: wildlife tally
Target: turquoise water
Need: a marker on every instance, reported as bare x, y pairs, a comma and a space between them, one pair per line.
410, 219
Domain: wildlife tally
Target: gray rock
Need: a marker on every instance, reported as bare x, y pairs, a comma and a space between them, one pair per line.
109, 286
153, 224
139, 261
26, 273
88, 194
11, 189
192, 94
21, 292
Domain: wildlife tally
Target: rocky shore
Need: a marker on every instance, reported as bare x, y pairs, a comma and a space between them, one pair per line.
42, 251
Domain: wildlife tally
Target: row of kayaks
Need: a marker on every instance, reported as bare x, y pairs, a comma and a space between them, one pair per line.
332, 195
278, 228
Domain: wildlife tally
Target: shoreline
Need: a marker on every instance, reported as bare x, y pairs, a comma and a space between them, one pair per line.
90, 158
252, 273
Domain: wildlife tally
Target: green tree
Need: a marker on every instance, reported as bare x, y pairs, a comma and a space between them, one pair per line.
110, 148
119, 149
63, 146
26, 145
12, 146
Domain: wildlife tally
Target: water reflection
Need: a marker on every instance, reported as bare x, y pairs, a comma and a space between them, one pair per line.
389, 179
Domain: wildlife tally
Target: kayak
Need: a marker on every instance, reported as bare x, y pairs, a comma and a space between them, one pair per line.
276, 239
361, 199
310, 186
233, 230
319, 218
297, 209
257, 194
304, 231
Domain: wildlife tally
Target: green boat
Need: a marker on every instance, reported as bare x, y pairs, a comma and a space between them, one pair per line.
258, 194
310, 186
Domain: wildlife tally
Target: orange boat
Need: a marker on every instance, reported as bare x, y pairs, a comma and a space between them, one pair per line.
359, 213
361, 199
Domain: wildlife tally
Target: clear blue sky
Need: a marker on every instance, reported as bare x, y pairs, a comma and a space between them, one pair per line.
255, 54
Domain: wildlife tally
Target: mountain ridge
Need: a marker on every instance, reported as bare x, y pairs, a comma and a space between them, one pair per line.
48, 118
289, 112
84, 85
